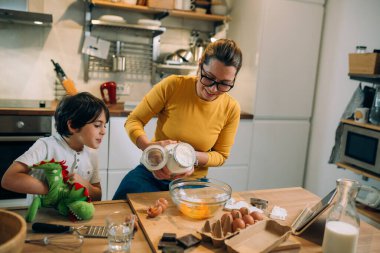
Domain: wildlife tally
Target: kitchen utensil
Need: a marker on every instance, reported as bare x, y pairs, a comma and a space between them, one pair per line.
199, 198
185, 55
173, 59
64, 241
198, 49
85, 230
118, 61
66, 82
111, 92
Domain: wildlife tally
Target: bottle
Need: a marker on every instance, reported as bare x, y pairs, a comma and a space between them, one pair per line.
342, 223
374, 114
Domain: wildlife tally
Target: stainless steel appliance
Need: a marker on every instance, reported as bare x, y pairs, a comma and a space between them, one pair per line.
17, 134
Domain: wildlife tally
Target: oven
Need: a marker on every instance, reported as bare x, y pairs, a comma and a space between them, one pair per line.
17, 135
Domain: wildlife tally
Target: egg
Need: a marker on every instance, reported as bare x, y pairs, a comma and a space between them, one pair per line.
244, 211
257, 215
248, 219
236, 214
238, 224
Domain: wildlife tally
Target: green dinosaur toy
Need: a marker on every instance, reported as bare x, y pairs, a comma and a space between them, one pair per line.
70, 199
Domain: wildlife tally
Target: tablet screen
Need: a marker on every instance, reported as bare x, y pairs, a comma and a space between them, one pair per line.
315, 210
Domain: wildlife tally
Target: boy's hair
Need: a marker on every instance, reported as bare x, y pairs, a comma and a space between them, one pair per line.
82, 108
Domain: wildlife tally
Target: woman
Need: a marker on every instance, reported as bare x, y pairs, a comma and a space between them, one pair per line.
194, 109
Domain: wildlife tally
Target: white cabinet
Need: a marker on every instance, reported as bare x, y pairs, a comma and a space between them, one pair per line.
123, 154
278, 153
281, 40
288, 59
236, 169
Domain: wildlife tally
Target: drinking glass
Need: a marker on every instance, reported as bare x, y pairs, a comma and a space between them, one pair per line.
120, 226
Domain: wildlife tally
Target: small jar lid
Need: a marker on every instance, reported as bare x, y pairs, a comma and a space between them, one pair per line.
154, 157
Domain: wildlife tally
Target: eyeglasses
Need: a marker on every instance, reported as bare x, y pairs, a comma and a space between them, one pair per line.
220, 86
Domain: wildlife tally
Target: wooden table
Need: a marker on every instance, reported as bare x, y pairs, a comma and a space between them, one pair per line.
292, 199
102, 208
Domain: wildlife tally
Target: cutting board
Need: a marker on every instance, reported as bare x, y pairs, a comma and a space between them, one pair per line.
173, 221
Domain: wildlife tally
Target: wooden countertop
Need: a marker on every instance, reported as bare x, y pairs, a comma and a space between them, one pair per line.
116, 110
292, 199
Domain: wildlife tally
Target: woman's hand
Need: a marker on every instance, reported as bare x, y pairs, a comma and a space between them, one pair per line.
162, 174
184, 174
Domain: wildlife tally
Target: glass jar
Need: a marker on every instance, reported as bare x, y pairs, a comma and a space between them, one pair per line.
342, 223
178, 158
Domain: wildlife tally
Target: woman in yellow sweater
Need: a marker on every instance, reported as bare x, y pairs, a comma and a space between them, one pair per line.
194, 109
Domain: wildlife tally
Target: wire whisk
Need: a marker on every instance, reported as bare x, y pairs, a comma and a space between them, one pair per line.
66, 241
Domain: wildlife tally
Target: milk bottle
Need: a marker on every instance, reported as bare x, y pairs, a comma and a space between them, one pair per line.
342, 224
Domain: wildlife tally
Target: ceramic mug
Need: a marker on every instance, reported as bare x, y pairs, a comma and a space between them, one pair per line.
361, 115
111, 92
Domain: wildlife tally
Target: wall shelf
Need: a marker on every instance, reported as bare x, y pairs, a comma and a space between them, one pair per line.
365, 125
357, 170
365, 78
155, 30
160, 12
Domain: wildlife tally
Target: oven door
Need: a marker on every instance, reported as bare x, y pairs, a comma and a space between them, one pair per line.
11, 147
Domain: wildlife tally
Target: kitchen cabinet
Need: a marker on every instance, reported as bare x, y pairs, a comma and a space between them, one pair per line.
278, 155
282, 65
123, 154
236, 169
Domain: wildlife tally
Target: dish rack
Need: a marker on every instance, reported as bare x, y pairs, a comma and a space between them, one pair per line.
138, 63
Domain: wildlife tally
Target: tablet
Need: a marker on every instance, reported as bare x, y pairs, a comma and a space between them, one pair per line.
308, 215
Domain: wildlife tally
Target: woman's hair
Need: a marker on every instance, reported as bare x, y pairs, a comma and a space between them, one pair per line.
224, 50
81, 109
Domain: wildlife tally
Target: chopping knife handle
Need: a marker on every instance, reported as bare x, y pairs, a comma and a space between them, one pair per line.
50, 228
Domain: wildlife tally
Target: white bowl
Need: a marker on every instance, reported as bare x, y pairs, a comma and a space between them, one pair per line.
219, 9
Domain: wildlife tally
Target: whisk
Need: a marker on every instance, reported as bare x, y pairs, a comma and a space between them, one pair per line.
67, 241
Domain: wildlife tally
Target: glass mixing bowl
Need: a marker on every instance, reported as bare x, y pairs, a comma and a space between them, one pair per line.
199, 198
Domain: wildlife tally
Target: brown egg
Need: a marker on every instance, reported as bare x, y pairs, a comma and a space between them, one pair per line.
236, 214
163, 206
238, 224
154, 211
248, 220
244, 211
163, 201
257, 215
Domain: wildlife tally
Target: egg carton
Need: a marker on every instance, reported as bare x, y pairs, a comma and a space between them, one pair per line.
216, 233
219, 230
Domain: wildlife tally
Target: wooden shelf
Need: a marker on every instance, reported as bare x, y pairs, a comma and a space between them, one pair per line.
357, 170
371, 213
153, 29
173, 13
364, 125
365, 78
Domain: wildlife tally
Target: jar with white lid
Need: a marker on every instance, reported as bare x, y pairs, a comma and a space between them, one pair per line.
179, 158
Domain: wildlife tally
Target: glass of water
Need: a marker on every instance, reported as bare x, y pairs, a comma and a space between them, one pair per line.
120, 226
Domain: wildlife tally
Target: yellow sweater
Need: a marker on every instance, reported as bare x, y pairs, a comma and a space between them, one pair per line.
209, 126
